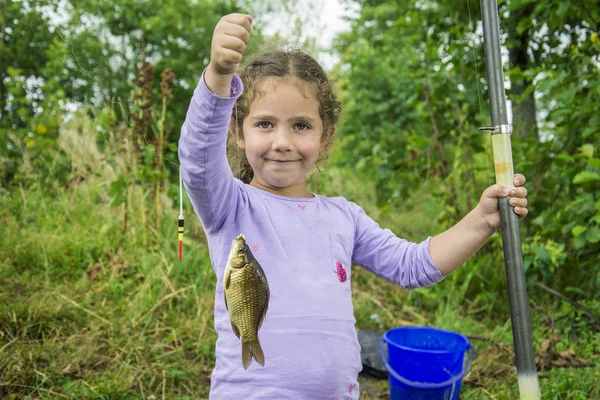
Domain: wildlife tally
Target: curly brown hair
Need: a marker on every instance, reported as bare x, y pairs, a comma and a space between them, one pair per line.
282, 64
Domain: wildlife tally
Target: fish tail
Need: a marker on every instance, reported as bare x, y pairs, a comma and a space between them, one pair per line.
252, 350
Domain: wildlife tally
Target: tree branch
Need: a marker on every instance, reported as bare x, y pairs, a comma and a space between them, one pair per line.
585, 312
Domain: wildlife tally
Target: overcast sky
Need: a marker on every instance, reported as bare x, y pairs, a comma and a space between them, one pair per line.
324, 22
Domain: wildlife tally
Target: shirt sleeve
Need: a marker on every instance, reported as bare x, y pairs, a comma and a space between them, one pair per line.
205, 171
388, 256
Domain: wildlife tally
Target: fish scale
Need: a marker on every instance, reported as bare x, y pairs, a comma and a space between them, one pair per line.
245, 309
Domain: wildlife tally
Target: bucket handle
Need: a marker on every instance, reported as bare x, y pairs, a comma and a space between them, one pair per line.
421, 385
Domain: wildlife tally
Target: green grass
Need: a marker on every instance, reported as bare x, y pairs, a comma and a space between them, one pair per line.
142, 326
91, 308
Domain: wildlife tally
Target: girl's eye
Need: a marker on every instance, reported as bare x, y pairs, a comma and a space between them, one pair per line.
264, 125
301, 126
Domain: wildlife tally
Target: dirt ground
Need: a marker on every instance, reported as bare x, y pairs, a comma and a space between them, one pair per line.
373, 388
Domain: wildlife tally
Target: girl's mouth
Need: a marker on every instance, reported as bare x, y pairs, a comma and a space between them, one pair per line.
281, 161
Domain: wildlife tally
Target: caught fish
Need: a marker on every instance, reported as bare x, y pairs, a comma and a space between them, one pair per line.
246, 298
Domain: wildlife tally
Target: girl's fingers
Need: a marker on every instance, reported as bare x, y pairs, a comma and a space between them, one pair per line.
496, 191
518, 202
519, 179
230, 56
521, 212
502, 191
238, 32
241, 20
233, 43
518, 192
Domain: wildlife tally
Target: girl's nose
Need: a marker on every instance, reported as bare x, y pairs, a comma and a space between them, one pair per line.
282, 140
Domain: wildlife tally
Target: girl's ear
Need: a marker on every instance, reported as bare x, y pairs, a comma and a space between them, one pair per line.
241, 144
328, 137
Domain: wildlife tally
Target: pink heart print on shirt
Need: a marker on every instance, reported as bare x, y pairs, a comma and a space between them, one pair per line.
255, 247
351, 388
341, 272
301, 206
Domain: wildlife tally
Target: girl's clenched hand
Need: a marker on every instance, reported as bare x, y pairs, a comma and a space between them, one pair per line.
488, 204
230, 38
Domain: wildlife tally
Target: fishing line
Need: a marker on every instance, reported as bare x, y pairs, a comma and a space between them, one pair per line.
487, 141
486, 144
237, 136
180, 195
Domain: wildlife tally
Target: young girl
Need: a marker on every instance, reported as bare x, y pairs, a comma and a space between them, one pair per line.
285, 115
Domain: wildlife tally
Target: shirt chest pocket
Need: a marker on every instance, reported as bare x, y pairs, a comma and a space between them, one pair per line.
341, 256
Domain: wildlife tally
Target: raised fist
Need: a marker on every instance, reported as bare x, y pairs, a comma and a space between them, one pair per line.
230, 38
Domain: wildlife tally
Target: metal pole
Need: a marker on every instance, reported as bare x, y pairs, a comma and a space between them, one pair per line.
511, 237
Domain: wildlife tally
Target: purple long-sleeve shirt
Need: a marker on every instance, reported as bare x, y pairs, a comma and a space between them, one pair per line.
306, 247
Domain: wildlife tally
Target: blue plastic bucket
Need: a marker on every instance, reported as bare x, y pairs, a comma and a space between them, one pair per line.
425, 363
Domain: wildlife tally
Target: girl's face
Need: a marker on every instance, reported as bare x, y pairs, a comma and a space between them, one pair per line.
283, 136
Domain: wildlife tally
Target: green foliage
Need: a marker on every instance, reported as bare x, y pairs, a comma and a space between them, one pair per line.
406, 80
91, 58
28, 118
413, 88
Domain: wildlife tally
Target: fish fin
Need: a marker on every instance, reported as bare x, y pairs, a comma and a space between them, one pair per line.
252, 350
262, 318
227, 278
236, 331
246, 355
225, 297
226, 282
264, 311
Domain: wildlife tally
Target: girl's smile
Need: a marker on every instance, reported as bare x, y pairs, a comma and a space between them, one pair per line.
282, 161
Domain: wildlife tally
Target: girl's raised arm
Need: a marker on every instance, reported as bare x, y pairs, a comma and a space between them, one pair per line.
203, 142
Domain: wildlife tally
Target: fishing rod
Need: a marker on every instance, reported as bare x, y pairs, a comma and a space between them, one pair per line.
511, 237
